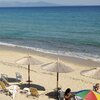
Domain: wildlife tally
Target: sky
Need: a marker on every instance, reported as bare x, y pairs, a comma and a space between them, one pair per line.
62, 2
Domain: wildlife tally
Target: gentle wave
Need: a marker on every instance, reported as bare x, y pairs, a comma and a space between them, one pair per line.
66, 31
86, 56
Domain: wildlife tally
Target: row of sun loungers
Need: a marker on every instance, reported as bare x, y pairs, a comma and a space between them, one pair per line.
11, 89
18, 76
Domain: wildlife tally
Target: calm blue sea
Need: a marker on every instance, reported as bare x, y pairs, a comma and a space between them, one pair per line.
70, 31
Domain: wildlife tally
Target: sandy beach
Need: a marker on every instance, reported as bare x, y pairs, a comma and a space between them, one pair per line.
46, 79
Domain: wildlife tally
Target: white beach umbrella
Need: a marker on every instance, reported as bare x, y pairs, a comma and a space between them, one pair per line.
28, 60
59, 67
93, 73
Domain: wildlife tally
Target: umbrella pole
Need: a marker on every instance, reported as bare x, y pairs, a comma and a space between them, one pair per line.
29, 75
57, 84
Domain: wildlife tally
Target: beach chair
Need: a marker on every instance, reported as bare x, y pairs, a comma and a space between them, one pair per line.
18, 76
33, 92
11, 90
61, 94
3, 87
4, 75
10, 83
5, 81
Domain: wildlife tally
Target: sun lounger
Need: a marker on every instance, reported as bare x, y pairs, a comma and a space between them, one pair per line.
61, 94
25, 91
18, 76
7, 83
3, 87
10, 90
33, 92
4, 75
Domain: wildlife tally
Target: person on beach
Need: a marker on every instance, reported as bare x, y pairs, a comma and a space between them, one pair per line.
68, 95
96, 88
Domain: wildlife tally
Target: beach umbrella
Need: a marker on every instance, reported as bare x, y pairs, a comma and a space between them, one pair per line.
93, 73
88, 95
28, 60
59, 67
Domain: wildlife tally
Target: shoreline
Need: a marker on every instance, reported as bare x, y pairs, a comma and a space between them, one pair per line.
8, 55
67, 59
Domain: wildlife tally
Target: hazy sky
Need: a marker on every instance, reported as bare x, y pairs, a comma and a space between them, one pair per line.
65, 2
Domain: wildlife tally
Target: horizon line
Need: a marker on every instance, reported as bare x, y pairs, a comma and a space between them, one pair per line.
52, 6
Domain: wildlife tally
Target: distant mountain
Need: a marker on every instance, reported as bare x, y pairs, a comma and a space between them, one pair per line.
41, 3
26, 4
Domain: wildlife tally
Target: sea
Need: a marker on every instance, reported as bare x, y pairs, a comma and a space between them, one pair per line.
68, 31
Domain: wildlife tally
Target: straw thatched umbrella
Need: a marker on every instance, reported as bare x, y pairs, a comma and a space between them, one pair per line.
28, 60
92, 73
59, 67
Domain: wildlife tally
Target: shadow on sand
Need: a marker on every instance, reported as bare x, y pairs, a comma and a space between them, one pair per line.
52, 94
38, 87
11, 80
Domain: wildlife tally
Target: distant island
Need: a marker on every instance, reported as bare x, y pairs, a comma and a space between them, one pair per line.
27, 4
